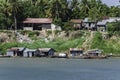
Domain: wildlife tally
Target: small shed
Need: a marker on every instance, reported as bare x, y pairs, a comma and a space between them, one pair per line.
76, 52
45, 52
37, 24
77, 23
15, 51
93, 52
29, 53
11, 52
102, 25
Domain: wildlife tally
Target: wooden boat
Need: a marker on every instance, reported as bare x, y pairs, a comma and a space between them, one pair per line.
87, 57
5, 56
78, 57
97, 57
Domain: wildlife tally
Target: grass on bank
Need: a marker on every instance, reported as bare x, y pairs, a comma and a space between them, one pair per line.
107, 45
60, 45
111, 45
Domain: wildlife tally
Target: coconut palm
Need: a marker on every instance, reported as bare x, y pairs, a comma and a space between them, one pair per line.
5, 9
85, 7
41, 5
75, 9
14, 9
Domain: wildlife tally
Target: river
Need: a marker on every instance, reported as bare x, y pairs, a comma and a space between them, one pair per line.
59, 69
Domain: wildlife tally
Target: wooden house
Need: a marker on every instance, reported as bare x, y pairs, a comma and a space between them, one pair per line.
37, 24
89, 24
76, 52
29, 53
77, 23
45, 52
15, 51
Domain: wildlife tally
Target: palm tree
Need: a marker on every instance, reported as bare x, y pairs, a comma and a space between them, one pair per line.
65, 15
5, 8
14, 6
75, 9
85, 7
56, 8
41, 5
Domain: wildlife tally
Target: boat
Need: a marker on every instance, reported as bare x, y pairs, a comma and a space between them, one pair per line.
97, 57
4, 56
87, 57
78, 57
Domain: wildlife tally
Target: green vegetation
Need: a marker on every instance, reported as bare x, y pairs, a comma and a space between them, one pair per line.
114, 28
58, 44
107, 45
97, 41
12, 12
72, 39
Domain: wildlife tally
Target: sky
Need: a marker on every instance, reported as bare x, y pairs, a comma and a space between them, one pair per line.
111, 2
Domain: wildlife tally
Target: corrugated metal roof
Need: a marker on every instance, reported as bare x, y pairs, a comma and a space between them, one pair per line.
38, 20
18, 48
44, 49
103, 22
76, 20
30, 50
94, 51
88, 20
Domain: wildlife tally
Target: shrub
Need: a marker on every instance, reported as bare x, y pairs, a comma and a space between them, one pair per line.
57, 31
98, 42
114, 28
49, 32
68, 26
36, 33
24, 32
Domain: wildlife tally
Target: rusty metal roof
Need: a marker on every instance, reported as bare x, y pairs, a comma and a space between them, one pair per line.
76, 20
38, 20
16, 49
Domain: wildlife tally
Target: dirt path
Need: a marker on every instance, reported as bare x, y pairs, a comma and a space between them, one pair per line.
88, 40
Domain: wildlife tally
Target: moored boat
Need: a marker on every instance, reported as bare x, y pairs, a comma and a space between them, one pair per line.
4, 56
87, 57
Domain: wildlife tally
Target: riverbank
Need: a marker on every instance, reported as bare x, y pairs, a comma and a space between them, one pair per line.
63, 41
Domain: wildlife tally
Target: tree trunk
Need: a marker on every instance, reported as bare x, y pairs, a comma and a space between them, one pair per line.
15, 22
15, 26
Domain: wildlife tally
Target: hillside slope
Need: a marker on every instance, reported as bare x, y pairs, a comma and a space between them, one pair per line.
62, 41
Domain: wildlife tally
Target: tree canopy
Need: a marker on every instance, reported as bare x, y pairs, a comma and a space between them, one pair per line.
14, 11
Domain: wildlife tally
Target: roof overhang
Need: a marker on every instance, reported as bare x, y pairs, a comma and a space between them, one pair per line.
38, 20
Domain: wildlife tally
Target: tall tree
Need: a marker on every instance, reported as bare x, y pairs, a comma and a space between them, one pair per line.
55, 11
55, 8
114, 11
75, 9
41, 5
14, 7
5, 11
85, 7
65, 15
